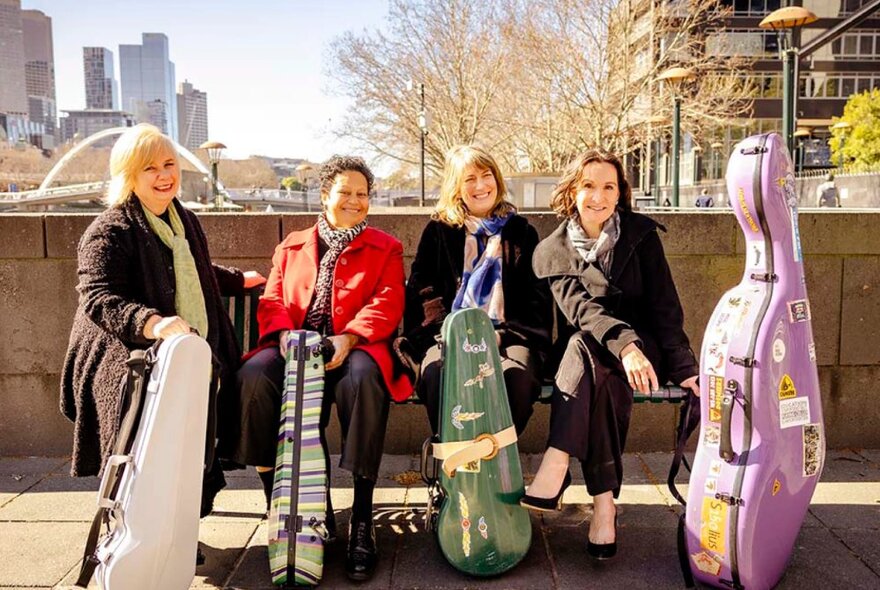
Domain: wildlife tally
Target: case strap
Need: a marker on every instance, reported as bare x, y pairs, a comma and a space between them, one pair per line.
689, 419
485, 446
139, 362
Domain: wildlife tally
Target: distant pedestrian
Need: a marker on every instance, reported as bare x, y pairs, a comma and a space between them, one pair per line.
705, 199
827, 194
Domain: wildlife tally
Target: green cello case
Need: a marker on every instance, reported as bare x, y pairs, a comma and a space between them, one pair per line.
474, 498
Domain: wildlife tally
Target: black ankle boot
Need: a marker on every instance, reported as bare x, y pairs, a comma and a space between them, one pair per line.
362, 557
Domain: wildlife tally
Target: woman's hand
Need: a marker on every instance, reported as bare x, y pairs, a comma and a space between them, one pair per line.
282, 344
342, 345
252, 279
639, 371
691, 383
433, 309
161, 327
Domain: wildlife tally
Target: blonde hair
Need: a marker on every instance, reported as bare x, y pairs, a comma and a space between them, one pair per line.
134, 149
451, 209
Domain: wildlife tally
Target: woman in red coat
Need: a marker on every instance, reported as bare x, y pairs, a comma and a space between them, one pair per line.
344, 280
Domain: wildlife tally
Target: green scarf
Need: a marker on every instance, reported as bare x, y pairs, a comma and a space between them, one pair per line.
188, 297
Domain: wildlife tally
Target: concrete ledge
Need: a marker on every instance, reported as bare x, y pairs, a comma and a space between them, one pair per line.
21, 236
842, 264
860, 312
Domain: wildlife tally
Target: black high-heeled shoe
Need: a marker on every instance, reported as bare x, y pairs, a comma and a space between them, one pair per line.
547, 504
603, 551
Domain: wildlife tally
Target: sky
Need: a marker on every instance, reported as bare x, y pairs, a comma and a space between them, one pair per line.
262, 62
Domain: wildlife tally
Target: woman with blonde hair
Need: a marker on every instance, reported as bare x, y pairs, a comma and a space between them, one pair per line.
609, 277
476, 252
144, 274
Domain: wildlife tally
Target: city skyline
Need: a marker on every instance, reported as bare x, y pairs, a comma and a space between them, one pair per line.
268, 92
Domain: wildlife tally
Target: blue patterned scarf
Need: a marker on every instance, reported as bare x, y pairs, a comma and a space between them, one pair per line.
481, 277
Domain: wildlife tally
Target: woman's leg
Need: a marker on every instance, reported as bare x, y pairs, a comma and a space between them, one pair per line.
522, 380
260, 381
429, 386
362, 404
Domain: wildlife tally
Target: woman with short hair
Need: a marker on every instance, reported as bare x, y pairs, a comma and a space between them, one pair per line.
609, 276
476, 252
344, 280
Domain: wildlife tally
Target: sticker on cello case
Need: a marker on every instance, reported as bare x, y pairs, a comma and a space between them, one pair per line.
756, 256
813, 449
786, 387
715, 467
778, 350
712, 436
713, 524
813, 351
716, 392
458, 417
710, 487
794, 412
465, 524
706, 563
776, 487
486, 370
745, 209
483, 527
799, 311
474, 348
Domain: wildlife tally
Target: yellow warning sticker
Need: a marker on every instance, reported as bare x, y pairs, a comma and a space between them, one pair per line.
712, 525
716, 392
786, 388
776, 486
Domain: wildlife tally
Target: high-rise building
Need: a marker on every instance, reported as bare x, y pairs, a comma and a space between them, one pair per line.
39, 61
148, 82
13, 91
848, 65
78, 125
192, 109
101, 89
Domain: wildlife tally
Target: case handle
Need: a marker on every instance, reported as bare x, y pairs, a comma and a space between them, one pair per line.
725, 450
108, 481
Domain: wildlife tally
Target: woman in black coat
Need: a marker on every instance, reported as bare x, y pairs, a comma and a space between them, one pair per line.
609, 276
127, 286
472, 209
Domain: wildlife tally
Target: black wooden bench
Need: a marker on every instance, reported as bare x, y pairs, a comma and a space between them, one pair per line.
243, 313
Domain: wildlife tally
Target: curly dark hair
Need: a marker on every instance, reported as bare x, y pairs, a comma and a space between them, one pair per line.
337, 165
563, 198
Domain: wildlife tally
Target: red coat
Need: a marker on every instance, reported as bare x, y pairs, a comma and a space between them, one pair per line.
367, 299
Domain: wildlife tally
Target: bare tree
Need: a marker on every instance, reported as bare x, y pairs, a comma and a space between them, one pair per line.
456, 48
534, 81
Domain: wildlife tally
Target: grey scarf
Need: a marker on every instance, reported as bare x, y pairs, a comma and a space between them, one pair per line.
600, 249
318, 314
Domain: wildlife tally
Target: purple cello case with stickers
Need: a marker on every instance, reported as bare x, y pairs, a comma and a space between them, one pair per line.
762, 440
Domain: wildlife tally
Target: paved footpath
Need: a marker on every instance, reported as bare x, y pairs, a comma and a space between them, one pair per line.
45, 514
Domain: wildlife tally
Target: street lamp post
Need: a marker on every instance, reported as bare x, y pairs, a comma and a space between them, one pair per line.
716, 161
843, 127
657, 122
302, 171
675, 77
786, 21
800, 137
422, 121
215, 151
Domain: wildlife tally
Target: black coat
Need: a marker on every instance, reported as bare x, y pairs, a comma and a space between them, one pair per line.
638, 303
439, 264
126, 275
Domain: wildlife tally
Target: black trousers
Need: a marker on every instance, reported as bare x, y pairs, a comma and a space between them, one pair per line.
590, 412
362, 404
521, 378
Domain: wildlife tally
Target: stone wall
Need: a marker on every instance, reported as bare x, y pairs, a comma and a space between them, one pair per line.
842, 257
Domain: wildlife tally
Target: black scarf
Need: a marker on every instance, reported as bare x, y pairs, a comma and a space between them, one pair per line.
318, 314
